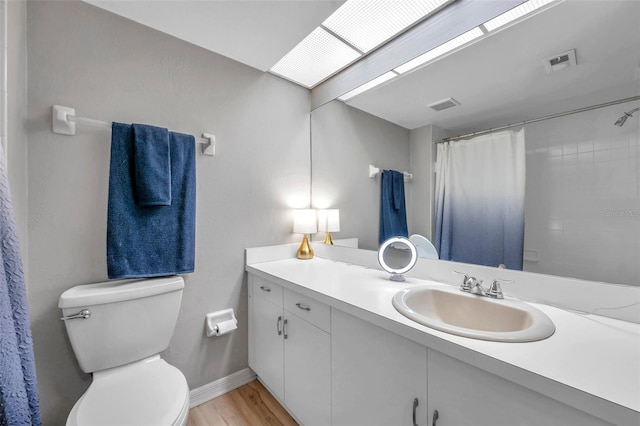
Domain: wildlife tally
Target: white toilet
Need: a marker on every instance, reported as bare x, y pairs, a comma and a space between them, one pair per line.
117, 330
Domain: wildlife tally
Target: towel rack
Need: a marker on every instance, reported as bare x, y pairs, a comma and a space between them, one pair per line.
374, 171
64, 121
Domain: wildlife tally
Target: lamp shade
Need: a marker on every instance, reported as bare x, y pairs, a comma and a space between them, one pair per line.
329, 220
304, 221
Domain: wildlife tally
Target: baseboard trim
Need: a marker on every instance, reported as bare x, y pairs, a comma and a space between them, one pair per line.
220, 387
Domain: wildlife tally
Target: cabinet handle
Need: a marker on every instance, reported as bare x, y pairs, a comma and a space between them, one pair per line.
278, 326
303, 306
265, 288
435, 417
284, 328
415, 406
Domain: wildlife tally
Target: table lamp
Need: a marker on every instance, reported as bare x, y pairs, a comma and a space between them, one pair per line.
304, 222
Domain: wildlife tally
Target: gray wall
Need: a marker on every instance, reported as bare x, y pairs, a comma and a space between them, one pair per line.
421, 160
423, 157
113, 69
17, 116
344, 142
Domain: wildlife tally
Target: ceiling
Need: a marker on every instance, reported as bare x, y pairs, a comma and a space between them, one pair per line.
501, 79
255, 32
498, 80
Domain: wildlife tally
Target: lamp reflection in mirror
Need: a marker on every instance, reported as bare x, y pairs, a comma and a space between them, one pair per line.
328, 222
304, 222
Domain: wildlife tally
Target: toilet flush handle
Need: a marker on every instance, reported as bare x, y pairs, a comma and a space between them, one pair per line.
84, 314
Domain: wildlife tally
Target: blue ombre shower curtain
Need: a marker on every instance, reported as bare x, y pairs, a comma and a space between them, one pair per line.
18, 386
479, 193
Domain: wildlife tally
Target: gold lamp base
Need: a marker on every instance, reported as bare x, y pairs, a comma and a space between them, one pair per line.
327, 238
305, 251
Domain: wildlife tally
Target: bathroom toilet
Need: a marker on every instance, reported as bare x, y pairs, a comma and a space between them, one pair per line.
117, 330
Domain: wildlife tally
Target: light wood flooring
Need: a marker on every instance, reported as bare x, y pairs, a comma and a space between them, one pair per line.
248, 405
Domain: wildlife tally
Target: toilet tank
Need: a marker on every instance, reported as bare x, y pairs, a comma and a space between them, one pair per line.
129, 321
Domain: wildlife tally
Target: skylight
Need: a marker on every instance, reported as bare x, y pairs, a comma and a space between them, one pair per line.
316, 57
367, 86
360, 26
440, 50
355, 29
451, 45
515, 13
367, 24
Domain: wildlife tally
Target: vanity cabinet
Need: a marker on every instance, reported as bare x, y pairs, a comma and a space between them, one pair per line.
266, 344
376, 375
290, 351
328, 367
466, 395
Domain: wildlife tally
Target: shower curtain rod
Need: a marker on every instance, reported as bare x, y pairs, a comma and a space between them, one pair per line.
65, 119
535, 120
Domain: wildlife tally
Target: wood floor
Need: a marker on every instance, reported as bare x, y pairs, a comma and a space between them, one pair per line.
249, 405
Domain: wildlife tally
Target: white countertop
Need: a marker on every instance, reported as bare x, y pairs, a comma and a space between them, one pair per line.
591, 363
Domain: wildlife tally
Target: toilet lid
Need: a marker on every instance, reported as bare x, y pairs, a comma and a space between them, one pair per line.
146, 393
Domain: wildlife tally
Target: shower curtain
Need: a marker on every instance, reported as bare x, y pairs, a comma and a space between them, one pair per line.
18, 386
479, 192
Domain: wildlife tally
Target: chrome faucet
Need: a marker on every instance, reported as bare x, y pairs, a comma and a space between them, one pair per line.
474, 286
471, 284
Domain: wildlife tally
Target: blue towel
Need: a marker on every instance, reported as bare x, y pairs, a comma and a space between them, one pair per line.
152, 165
393, 212
18, 384
149, 241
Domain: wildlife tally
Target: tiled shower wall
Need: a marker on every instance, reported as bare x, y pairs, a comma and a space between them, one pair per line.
582, 210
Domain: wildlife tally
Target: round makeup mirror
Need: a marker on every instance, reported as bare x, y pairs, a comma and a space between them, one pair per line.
397, 255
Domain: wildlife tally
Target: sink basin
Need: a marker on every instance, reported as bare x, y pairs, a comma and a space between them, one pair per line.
468, 315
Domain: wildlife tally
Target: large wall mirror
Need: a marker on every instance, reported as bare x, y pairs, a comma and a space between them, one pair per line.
582, 205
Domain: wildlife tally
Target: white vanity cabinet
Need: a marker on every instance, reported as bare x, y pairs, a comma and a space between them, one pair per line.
290, 349
466, 395
266, 343
376, 375
354, 360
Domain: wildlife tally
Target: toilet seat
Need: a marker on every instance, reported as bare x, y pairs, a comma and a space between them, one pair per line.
148, 392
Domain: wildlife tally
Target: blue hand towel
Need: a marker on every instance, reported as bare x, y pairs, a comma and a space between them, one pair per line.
149, 241
152, 165
393, 213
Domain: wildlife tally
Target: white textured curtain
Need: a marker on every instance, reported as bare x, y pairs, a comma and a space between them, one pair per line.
479, 192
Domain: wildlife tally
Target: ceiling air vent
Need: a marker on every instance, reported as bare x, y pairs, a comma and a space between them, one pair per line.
443, 104
560, 62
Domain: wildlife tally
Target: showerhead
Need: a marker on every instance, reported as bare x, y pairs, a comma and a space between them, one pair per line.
620, 121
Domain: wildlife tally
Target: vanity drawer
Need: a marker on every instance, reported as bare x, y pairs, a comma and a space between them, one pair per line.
266, 289
308, 309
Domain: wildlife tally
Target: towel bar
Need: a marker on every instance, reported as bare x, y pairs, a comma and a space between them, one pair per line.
374, 171
64, 121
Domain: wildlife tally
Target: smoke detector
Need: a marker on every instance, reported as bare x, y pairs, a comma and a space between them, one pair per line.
443, 104
560, 62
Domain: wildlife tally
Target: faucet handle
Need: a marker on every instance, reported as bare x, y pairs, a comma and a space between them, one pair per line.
467, 282
495, 291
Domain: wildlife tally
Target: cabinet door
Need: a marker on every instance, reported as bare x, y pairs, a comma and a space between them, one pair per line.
307, 373
376, 375
267, 351
465, 395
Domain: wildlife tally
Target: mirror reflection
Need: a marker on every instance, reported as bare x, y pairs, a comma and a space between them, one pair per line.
581, 184
396, 257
